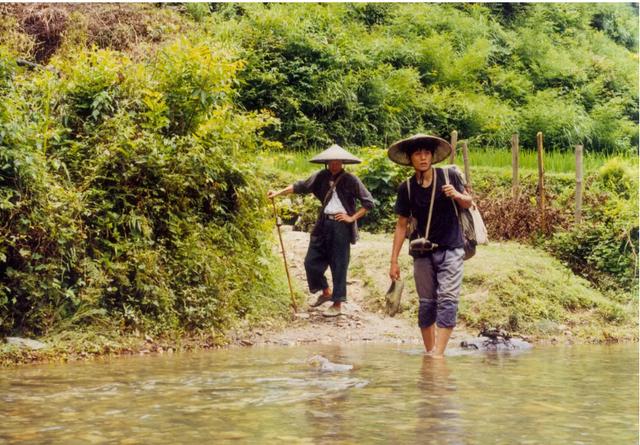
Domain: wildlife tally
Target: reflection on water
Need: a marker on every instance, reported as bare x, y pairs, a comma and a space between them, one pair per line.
577, 395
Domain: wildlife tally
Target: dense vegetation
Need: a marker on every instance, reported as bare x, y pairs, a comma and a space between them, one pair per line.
367, 74
127, 194
131, 193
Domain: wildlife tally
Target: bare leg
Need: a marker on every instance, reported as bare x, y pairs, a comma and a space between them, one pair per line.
429, 337
442, 338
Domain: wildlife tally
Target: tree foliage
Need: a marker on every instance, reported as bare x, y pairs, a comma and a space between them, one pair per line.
368, 74
126, 189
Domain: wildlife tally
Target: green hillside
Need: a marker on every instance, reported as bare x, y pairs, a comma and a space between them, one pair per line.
132, 186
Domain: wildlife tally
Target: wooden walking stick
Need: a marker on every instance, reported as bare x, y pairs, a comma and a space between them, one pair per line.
284, 256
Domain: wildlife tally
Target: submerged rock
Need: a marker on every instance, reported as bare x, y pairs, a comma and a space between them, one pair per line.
494, 340
323, 364
25, 343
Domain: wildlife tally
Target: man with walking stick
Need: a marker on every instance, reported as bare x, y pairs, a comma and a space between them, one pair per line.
336, 227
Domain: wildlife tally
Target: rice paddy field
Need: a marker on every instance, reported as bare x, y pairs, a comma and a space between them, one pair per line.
554, 161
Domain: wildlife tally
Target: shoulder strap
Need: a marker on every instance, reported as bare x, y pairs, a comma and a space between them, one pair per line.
409, 195
331, 189
434, 181
446, 181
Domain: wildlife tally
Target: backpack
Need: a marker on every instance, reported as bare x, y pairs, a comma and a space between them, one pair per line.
474, 231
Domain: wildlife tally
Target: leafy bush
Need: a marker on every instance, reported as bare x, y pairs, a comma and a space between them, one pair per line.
363, 75
561, 122
605, 245
382, 178
144, 205
366, 75
197, 11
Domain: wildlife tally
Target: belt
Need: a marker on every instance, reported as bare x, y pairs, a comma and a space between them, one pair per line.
330, 217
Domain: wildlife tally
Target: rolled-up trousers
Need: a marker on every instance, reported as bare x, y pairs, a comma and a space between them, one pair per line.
438, 281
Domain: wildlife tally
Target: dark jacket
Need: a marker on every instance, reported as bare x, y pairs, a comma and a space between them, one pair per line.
349, 189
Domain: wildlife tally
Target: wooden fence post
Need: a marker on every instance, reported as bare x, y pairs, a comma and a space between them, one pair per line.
454, 142
467, 170
541, 202
579, 170
515, 142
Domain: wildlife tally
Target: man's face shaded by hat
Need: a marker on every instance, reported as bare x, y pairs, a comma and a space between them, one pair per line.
421, 157
334, 166
400, 152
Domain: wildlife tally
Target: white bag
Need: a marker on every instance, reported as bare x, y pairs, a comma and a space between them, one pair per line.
478, 229
478, 225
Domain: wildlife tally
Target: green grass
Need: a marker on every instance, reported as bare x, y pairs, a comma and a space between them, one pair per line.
554, 161
296, 162
511, 286
523, 289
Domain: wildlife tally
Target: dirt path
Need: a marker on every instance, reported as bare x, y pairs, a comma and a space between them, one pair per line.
363, 318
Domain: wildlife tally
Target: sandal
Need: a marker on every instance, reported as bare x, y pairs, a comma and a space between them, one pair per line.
321, 300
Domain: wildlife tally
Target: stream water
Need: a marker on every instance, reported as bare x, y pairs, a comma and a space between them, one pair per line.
392, 394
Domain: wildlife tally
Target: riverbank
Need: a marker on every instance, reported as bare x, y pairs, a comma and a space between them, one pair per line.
504, 282
508, 286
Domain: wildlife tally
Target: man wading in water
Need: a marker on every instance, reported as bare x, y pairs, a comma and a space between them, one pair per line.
336, 227
436, 243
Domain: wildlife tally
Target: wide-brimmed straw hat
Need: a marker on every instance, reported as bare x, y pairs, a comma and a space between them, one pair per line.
335, 153
400, 152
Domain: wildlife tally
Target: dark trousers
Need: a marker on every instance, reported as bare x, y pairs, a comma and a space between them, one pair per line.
331, 249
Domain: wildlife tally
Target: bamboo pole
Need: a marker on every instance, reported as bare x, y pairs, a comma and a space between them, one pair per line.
467, 170
284, 255
541, 201
515, 153
579, 172
454, 142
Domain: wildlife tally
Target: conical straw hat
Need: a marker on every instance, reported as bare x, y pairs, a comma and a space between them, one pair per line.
399, 151
335, 153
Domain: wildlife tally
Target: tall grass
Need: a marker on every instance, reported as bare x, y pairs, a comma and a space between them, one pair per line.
296, 162
554, 161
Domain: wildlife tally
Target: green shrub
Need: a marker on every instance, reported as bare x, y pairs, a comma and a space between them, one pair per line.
7, 68
382, 178
193, 78
145, 209
561, 122
197, 11
605, 245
